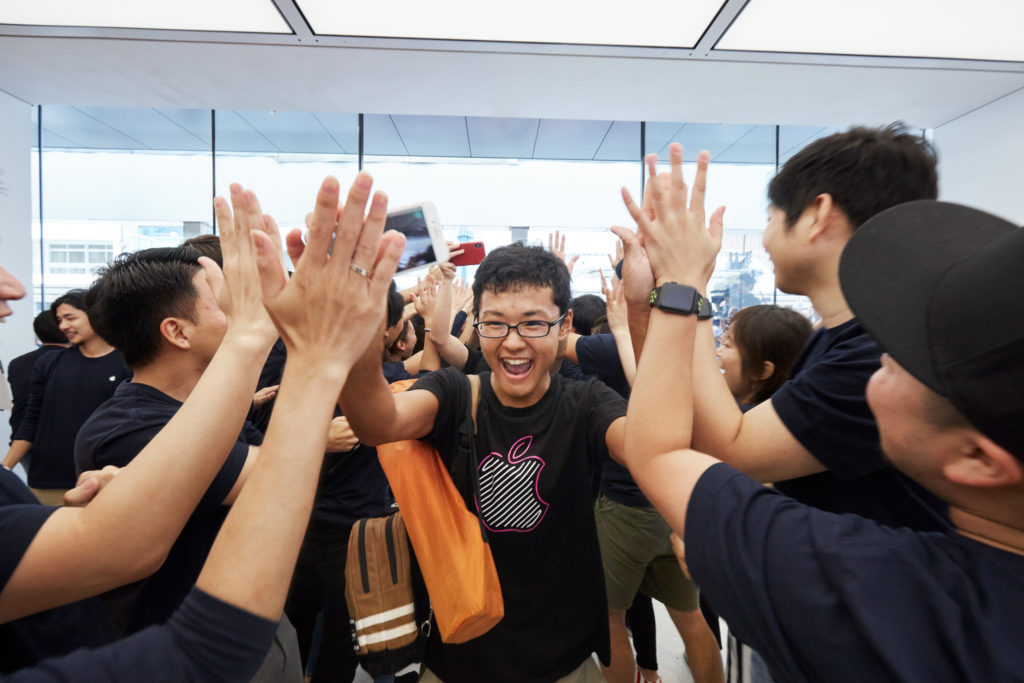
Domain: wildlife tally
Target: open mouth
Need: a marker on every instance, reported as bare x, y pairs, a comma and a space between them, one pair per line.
516, 367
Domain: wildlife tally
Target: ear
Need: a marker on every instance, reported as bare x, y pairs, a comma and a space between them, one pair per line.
175, 332
566, 327
822, 210
984, 464
767, 370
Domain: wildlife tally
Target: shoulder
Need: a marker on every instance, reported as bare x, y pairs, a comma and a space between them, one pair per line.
443, 383
122, 426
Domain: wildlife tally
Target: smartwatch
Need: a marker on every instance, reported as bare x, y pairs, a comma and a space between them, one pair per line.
673, 297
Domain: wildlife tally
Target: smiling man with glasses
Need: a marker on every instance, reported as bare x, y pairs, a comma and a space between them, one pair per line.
540, 443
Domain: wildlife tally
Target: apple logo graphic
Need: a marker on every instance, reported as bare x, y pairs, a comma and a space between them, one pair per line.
510, 489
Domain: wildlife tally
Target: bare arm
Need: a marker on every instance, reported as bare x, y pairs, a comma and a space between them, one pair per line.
453, 351
756, 442
659, 417
618, 321
124, 534
17, 451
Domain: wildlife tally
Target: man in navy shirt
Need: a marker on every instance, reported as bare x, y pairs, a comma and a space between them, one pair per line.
815, 439
67, 387
840, 597
19, 372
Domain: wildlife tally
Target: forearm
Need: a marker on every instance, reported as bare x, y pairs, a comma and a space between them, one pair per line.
430, 359
367, 401
239, 570
624, 345
449, 348
659, 417
717, 419
639, 316
109, 542
17, 451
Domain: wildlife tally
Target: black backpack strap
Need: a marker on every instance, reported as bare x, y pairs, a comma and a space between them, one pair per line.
467, 451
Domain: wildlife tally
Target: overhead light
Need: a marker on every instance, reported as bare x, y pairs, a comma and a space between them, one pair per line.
244, 16
951, 29
582, 22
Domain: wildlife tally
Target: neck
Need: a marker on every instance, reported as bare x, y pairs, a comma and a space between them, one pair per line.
176, 379
95, 347
987, 531
829, 302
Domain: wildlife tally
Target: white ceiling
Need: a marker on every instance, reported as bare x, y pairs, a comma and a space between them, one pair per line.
167, 70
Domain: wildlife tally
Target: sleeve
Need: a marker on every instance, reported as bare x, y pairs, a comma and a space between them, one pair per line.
205, 640
451, 388
226, 477
40, 374
762, 560
251, 435
606, 406
825, 408
457, 322
19, 525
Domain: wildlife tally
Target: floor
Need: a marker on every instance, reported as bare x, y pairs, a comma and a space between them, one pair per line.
673, 668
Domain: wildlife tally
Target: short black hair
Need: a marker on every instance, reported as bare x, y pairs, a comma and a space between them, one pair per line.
47, 330
396, 305
586, 309
515, 266
865, 170
73, 297
207, 245
768, 333
135, 292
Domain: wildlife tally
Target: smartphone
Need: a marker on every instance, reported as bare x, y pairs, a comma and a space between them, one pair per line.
472, 254
424, 238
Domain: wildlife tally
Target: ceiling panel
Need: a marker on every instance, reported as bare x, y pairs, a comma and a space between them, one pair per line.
622, 142
565, 139
502, 137
952, 29
85, 130
235, 134
581, 22
196, 121
433, 136
151, 128
380, 137
293, 132
343, 128
248, 16
755, 146
794, 138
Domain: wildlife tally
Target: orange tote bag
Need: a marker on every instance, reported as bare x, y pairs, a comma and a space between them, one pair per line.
449, 541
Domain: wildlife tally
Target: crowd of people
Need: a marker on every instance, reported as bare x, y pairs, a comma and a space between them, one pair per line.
200, 430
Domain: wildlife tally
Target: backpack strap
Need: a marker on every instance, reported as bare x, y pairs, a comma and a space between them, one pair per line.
467, 451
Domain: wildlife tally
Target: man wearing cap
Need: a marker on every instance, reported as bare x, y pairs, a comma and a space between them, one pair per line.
840, 597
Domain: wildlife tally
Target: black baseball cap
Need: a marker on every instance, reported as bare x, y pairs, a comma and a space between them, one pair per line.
941, 287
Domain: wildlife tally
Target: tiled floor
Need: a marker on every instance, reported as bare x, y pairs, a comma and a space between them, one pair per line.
673, 668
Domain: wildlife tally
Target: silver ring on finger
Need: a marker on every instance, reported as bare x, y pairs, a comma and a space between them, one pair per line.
359, 269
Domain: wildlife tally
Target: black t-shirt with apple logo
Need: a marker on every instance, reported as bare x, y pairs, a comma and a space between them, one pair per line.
538, 469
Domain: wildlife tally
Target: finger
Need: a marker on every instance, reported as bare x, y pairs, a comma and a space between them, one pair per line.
389, 250
573, 261
551, 242
271, 270
274, 233
717, 225
321, 222
678, 185
214, 275
295, 245
83, 493
453, 254
604, 283
225, 220
365, 254
635, 211
700, 186
561, 244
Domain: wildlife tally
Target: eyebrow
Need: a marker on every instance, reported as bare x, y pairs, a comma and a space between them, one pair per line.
499, 314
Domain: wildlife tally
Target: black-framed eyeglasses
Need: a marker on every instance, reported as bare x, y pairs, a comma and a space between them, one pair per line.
529, 329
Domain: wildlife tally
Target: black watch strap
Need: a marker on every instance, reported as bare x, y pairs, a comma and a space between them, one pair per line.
673, 297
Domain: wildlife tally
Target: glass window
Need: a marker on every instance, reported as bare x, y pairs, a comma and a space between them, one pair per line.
118, 180
501, 180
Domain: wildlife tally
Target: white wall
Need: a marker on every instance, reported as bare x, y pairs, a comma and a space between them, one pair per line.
16, 133
980, 157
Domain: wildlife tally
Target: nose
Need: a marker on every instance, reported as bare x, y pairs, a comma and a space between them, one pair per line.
10, 290
513, 339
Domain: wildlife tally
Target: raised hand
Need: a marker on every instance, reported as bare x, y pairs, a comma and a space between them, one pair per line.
637, 278
425, 299
331, 308
556, 245
615, 299
678, 245
237, 287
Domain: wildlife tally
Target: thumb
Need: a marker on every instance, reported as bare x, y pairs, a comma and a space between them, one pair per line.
83, 493
214, 275
295, 246
268, 261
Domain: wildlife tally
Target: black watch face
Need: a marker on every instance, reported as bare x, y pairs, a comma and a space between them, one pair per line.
679, 298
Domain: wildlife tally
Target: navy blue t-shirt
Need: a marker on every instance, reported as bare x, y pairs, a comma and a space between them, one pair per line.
826, 597
66, 388
205, 640
598, 355
114, 435
53, 632
353, 485
825, 407
19, 375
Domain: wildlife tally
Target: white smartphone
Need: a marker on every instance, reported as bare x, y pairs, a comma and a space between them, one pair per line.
424, 238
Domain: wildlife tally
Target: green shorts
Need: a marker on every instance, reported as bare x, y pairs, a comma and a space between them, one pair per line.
637, 556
